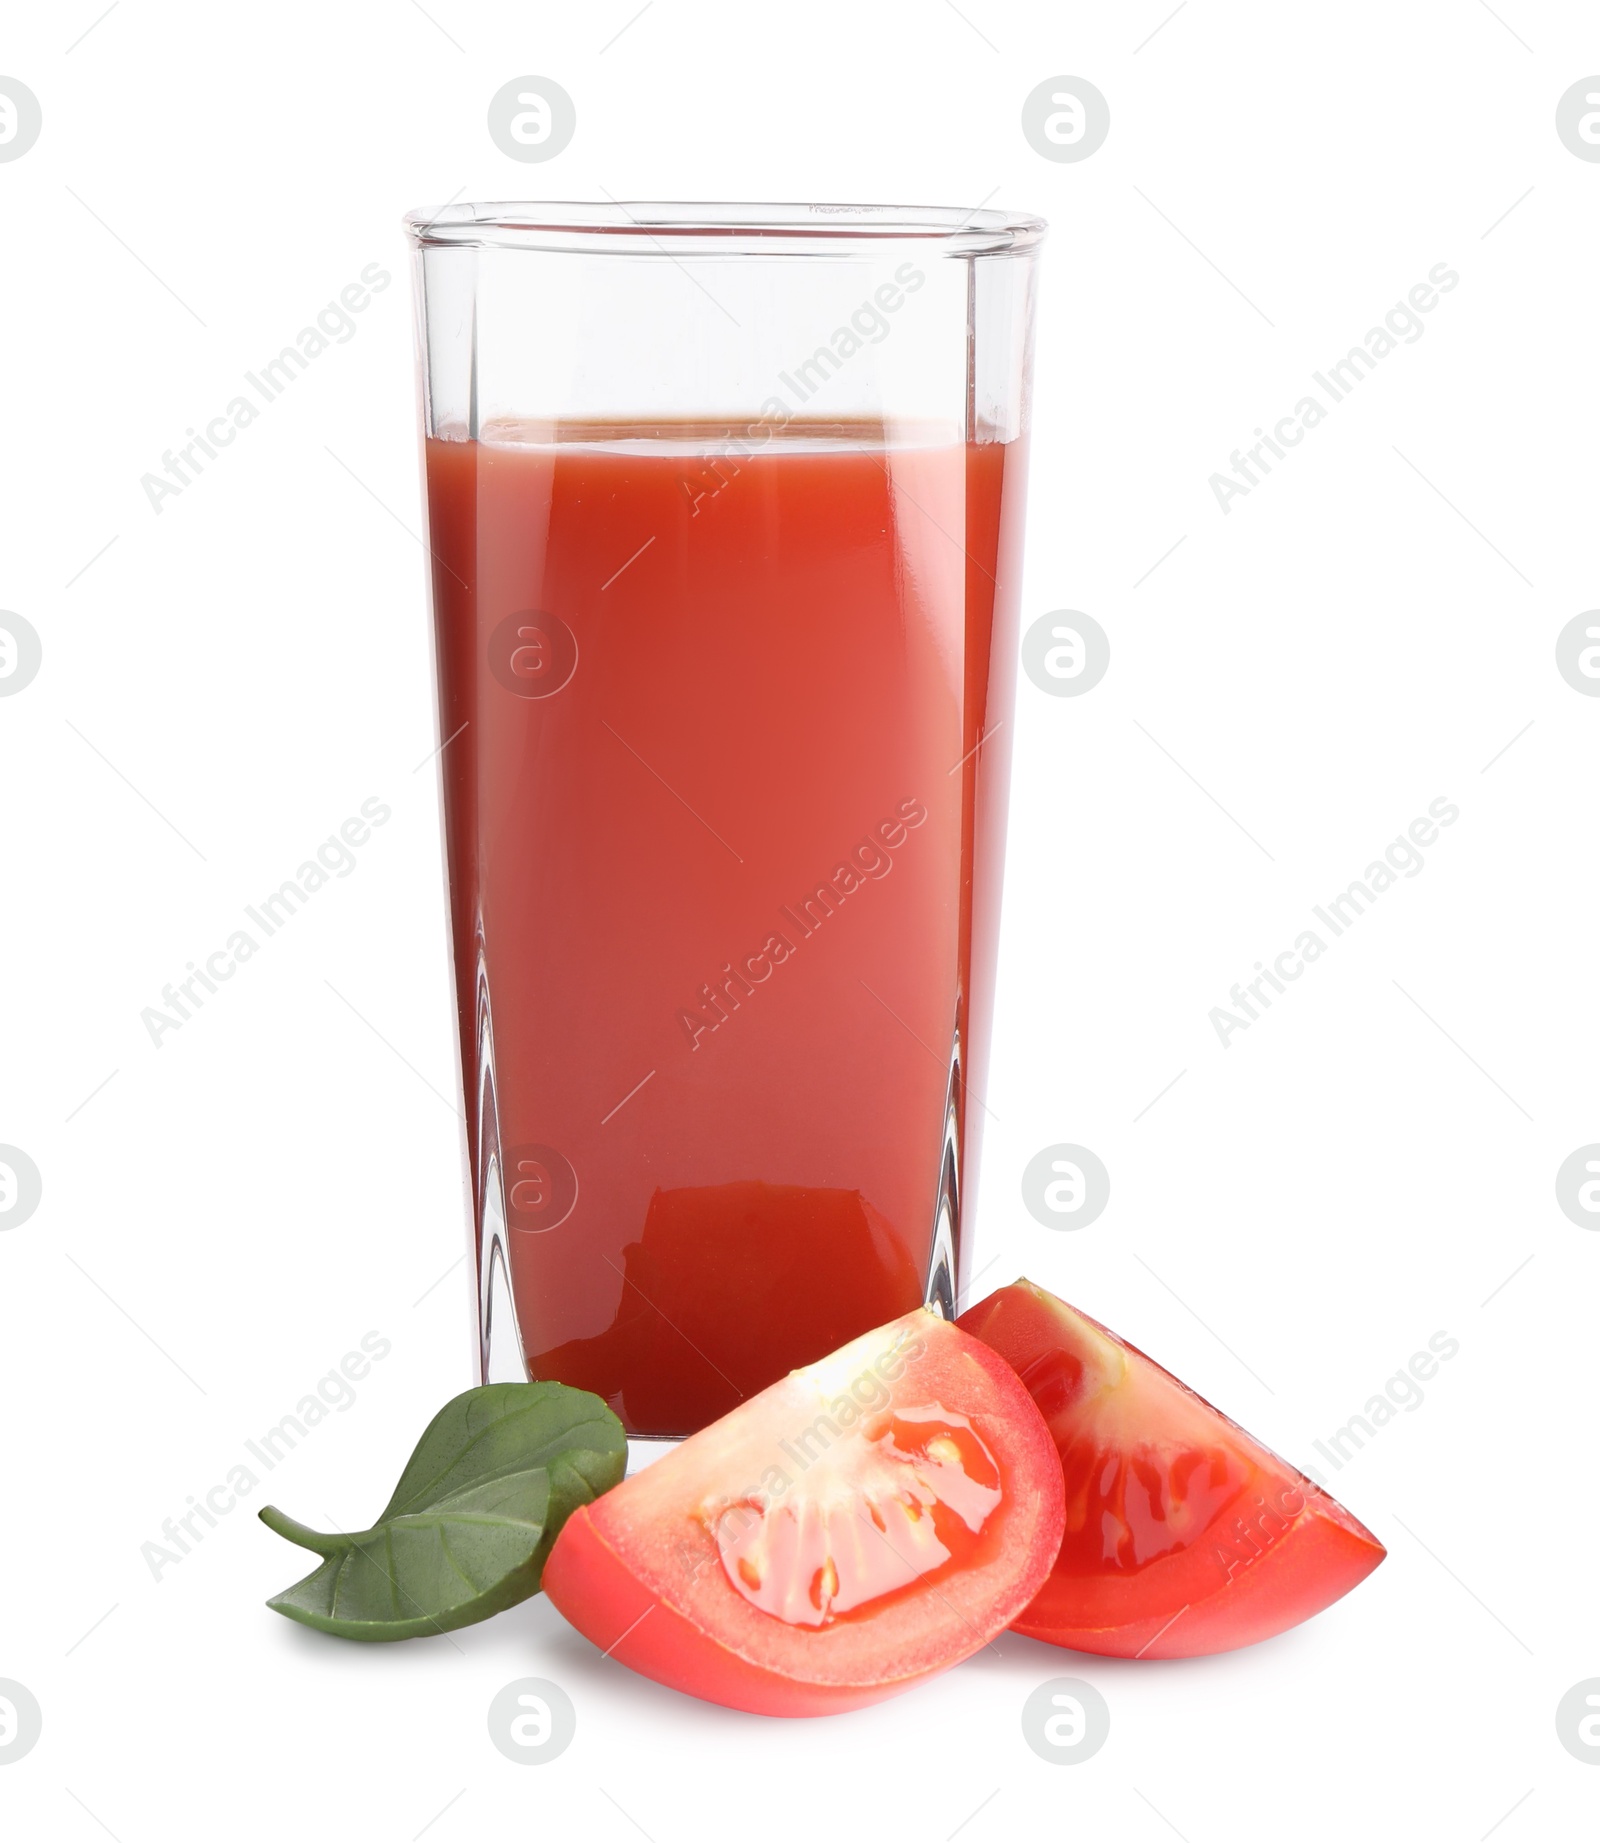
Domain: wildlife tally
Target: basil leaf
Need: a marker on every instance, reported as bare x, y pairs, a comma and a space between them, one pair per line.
497, 1473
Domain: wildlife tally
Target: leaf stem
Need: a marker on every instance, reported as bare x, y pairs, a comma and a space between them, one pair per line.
312, 1539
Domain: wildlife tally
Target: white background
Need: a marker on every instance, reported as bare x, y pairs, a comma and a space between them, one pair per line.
225, 683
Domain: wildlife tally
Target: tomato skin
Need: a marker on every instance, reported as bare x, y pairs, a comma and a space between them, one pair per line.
637, 1573
1277, 1552
599, 1593
1318, 1563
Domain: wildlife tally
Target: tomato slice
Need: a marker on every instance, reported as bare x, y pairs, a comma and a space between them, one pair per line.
1183, 1535
862, 1524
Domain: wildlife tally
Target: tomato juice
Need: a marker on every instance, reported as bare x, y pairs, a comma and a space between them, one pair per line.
724, 775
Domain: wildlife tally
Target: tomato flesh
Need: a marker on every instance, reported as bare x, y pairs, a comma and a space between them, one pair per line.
905, 1499
1183, 1535
862, 1524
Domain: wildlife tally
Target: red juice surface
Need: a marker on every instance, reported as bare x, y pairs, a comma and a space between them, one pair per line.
718, 734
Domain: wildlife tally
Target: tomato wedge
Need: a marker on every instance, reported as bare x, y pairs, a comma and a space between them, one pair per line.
862, 1524
1183, 1535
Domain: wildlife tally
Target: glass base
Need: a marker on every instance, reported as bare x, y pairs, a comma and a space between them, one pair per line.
645, 1450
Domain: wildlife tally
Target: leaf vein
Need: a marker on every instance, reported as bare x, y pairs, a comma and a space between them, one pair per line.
555, 1444
449, 1555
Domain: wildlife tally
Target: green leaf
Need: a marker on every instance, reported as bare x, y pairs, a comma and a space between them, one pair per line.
497, 1473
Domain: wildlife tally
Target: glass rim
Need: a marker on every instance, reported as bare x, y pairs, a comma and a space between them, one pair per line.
644, 228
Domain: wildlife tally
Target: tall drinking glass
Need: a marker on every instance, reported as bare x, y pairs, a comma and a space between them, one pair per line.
725, 511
